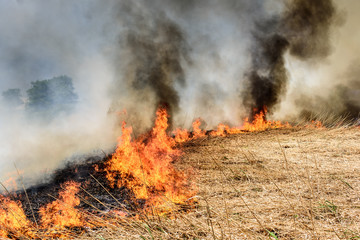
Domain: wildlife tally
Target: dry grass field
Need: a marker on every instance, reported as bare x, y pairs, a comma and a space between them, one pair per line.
276, 184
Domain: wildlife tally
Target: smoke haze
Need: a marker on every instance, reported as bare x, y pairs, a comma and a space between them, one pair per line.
211, 59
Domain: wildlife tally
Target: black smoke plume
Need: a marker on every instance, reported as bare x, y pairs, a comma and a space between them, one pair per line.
156, 49
303, 30
157, 60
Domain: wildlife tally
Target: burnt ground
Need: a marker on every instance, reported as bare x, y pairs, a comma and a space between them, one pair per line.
94, 190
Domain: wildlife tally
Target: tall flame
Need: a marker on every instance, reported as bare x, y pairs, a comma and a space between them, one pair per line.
144, 165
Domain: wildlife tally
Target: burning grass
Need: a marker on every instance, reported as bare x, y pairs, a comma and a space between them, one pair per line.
145, 167
250, 183
277, 184
13, 220
61, 212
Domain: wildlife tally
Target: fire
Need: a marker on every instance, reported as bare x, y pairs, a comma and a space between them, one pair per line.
258, 124
13, 220
198, 133
55, 216
62, 212
314, 124
181, 135
144, 165
223, 130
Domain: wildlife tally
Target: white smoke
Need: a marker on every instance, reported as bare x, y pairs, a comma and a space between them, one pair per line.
42, 39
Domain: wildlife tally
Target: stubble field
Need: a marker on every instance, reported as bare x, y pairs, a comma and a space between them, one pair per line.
300, 183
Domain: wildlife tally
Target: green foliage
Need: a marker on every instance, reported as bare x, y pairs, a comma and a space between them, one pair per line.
273, 235
12, 97
328, 207
149, 230
50, 97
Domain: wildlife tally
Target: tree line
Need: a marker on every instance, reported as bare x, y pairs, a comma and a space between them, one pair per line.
45, 98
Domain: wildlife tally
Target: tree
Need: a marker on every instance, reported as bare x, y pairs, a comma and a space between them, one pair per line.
12, 97
50, 97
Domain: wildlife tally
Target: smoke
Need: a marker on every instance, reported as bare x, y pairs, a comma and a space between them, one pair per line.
326, 88
157, 64
303, 30
340, 101
41, 40
179, 54
196, 58
152, 63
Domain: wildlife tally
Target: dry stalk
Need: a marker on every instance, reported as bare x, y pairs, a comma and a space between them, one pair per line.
242, 199
120, 204
284, 154
27, 197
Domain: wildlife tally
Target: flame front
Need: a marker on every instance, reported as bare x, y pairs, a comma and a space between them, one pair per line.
258, 124
144, 165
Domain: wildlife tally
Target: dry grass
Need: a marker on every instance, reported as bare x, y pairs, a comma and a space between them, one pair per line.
277, 184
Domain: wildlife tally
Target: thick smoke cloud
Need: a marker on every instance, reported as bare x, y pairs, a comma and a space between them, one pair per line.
211, 59
204, 51
152, 63
303, 29
158, 64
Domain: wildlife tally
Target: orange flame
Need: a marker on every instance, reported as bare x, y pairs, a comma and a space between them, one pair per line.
144, 165
181, 135
222, 129
198, 133
62, 212
13, 220
314, 124
258, 124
